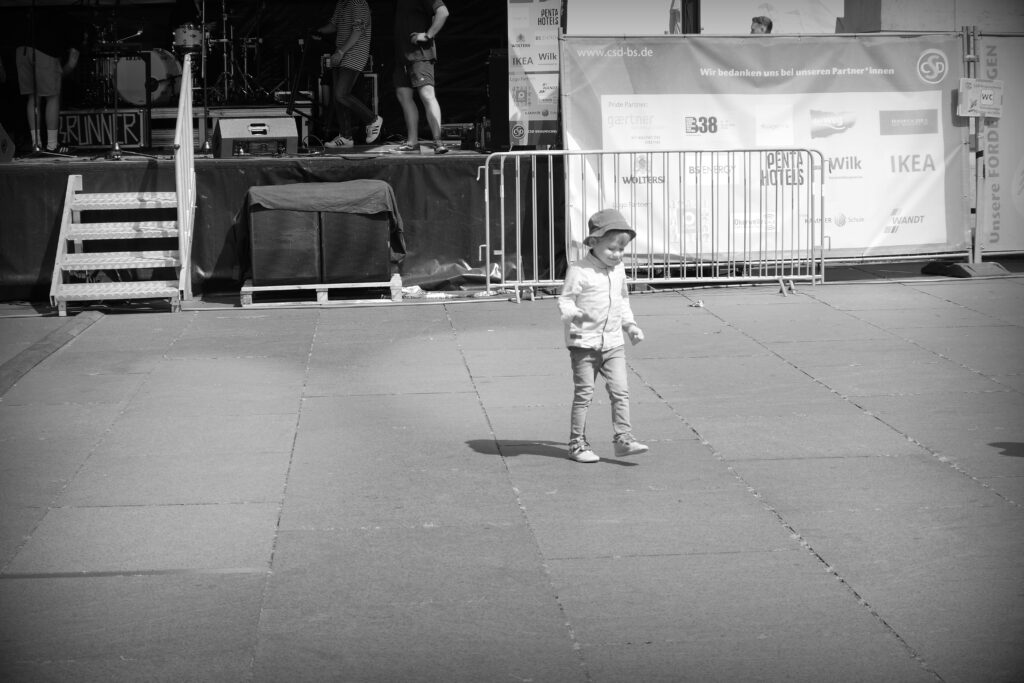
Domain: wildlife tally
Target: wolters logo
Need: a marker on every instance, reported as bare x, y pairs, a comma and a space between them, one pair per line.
897, 219
640, 174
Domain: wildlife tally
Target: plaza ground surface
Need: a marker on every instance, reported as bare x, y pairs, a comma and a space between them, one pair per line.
833, 492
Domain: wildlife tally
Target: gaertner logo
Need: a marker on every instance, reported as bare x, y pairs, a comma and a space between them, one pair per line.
828, 123
932, 66
897, 219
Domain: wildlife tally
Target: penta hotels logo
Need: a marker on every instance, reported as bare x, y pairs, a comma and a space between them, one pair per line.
932, 66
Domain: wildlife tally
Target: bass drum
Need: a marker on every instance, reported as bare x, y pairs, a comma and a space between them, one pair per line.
164, 77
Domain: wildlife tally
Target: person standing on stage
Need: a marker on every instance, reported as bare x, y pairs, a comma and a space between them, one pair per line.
48, 51
417, 23
352, 27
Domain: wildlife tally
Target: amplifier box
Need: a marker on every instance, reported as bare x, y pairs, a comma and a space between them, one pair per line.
356, 247
285, 247
255, 137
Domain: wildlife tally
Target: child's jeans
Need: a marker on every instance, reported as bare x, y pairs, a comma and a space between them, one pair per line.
587, 364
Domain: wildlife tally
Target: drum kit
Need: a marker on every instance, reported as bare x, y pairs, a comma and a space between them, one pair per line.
151, 77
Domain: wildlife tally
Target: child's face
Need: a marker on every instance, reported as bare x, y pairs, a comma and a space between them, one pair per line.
609, 249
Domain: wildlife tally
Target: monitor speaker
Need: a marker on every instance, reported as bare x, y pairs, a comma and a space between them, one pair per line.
244, 137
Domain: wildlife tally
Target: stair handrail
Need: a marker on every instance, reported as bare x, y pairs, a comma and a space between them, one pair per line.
185, 178
74, 185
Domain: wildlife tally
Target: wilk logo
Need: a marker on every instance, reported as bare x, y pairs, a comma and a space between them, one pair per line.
827, 123
932, 66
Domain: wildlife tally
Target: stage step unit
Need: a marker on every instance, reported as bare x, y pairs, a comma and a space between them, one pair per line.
146, 263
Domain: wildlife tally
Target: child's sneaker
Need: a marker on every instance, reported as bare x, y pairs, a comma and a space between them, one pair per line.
340, 141
626, 444
579, 451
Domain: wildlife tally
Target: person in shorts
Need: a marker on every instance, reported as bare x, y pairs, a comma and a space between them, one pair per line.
417, 23
48, 51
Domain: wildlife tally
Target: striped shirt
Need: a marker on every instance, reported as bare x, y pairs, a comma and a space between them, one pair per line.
350, 15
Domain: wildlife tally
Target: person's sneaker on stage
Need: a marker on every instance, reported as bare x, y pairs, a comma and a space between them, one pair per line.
626, 444
373, 130
340, 141
439, 148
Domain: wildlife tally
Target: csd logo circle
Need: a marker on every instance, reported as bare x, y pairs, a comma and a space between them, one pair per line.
519, 131
932, 66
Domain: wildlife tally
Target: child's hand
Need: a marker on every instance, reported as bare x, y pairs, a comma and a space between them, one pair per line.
636, 335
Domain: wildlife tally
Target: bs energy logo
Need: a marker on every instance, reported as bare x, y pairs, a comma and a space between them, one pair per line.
932, 66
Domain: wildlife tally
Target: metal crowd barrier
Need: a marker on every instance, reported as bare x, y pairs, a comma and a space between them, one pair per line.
185, 178
701, 217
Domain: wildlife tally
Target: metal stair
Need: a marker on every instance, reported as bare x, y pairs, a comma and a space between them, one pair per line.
83, 266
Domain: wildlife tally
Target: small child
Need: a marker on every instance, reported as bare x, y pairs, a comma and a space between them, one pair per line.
594, 305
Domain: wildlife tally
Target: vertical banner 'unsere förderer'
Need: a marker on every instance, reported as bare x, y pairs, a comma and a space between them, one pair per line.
879, 109
533, 28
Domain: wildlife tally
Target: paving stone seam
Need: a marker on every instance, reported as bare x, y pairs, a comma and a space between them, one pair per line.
799, 539
16, 368
852, 399
577, 645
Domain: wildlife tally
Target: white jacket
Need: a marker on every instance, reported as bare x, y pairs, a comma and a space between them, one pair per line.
594, 304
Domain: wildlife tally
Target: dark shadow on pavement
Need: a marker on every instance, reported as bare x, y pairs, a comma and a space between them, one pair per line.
547, 449
1014, 449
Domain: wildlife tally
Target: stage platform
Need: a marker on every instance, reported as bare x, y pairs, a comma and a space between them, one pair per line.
440, 199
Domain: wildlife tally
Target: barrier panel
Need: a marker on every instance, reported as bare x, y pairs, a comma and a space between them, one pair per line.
185, 178
701, 217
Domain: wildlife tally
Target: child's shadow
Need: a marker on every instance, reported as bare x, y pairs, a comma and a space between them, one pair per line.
1013, 449
509, 448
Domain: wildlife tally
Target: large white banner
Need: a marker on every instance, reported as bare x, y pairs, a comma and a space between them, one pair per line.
877, 108
533, 29
1002, 145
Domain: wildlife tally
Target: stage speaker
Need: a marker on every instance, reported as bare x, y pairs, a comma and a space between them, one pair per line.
356, 247
285, 247
255, 137
6, 146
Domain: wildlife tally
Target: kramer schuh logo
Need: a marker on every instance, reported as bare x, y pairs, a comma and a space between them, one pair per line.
827, 123
932, 66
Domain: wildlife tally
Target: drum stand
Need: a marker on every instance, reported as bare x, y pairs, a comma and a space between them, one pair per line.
116, 153
229, 64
